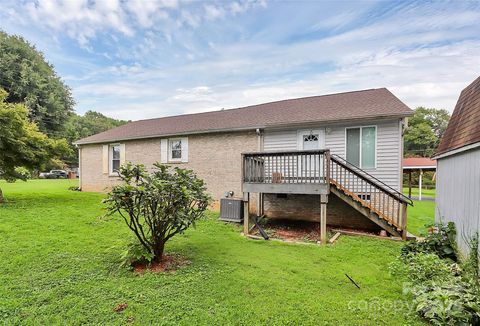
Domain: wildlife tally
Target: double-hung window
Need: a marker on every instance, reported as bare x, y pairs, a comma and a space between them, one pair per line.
114, 158
175, 149
361, 146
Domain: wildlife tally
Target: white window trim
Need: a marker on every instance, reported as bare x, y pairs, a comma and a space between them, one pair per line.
376, 144
169, 150
110, 158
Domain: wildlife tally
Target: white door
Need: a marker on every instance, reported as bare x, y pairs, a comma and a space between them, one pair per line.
310, 166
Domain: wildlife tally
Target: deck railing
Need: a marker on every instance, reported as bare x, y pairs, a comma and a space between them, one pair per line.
295, 167
380, 198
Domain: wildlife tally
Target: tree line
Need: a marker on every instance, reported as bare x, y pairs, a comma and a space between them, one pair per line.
28, 79
37, 118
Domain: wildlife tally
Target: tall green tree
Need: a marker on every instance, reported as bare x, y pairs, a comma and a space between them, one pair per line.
30, 79
22, 145
424, 131
78, 127
89, 124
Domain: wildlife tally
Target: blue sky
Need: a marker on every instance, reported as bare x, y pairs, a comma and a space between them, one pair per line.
144, 59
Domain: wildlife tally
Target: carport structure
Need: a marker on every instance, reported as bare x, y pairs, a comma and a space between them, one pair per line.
420, 164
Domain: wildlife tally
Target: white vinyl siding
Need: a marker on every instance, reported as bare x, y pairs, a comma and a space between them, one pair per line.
458, 193
284, 140
388, 142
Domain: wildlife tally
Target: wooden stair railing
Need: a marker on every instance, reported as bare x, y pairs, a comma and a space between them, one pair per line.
387, 203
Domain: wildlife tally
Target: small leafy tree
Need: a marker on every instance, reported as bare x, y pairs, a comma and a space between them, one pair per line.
157, 205
22, 145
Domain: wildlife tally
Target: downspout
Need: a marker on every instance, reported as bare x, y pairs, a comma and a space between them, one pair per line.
403, 128
259, 133
259, 196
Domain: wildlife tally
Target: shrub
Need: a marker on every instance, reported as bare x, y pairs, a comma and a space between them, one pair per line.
159, 205
23, 173
451, 302
443, 292
441, 242
418, 268
472, 265
136, 253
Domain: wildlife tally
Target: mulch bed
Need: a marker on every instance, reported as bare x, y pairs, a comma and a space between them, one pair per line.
169, 263
290, 230
299, 231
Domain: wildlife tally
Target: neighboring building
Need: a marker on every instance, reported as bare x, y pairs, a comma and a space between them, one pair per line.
420, 165
458, 166
363, 127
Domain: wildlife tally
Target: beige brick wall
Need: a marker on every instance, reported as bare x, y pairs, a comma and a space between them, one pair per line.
216, 158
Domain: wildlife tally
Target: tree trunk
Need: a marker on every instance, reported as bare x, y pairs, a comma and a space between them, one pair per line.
1, 197
158, 250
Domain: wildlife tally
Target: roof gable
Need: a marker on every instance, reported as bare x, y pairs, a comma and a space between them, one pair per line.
373, 103
464, 126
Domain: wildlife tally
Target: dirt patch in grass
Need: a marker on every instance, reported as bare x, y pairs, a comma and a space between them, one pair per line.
120, 307
169, 263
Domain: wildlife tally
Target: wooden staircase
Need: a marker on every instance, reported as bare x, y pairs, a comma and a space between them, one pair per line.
380, 203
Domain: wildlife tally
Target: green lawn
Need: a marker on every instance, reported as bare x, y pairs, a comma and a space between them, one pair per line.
421, 214
425, 192
59, 265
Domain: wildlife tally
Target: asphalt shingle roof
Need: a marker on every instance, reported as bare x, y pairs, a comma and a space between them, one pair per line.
464, 126
372, 103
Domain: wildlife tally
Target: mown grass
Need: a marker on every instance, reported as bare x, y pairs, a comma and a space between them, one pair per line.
419, 216
425, 192
59, 265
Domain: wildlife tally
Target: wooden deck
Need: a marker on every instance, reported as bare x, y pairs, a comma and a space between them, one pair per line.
318, 172
297, 172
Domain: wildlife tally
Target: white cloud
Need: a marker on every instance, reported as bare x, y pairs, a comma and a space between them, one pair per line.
430, 77
175, 63
79, 19
213, 12
148, 12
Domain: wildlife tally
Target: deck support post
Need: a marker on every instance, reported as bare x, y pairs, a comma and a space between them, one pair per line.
259, 204
246, 219
404, 221
323, 219
420, 185
262, 204
410, 184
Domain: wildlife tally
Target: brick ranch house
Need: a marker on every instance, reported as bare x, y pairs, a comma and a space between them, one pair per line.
333, 158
